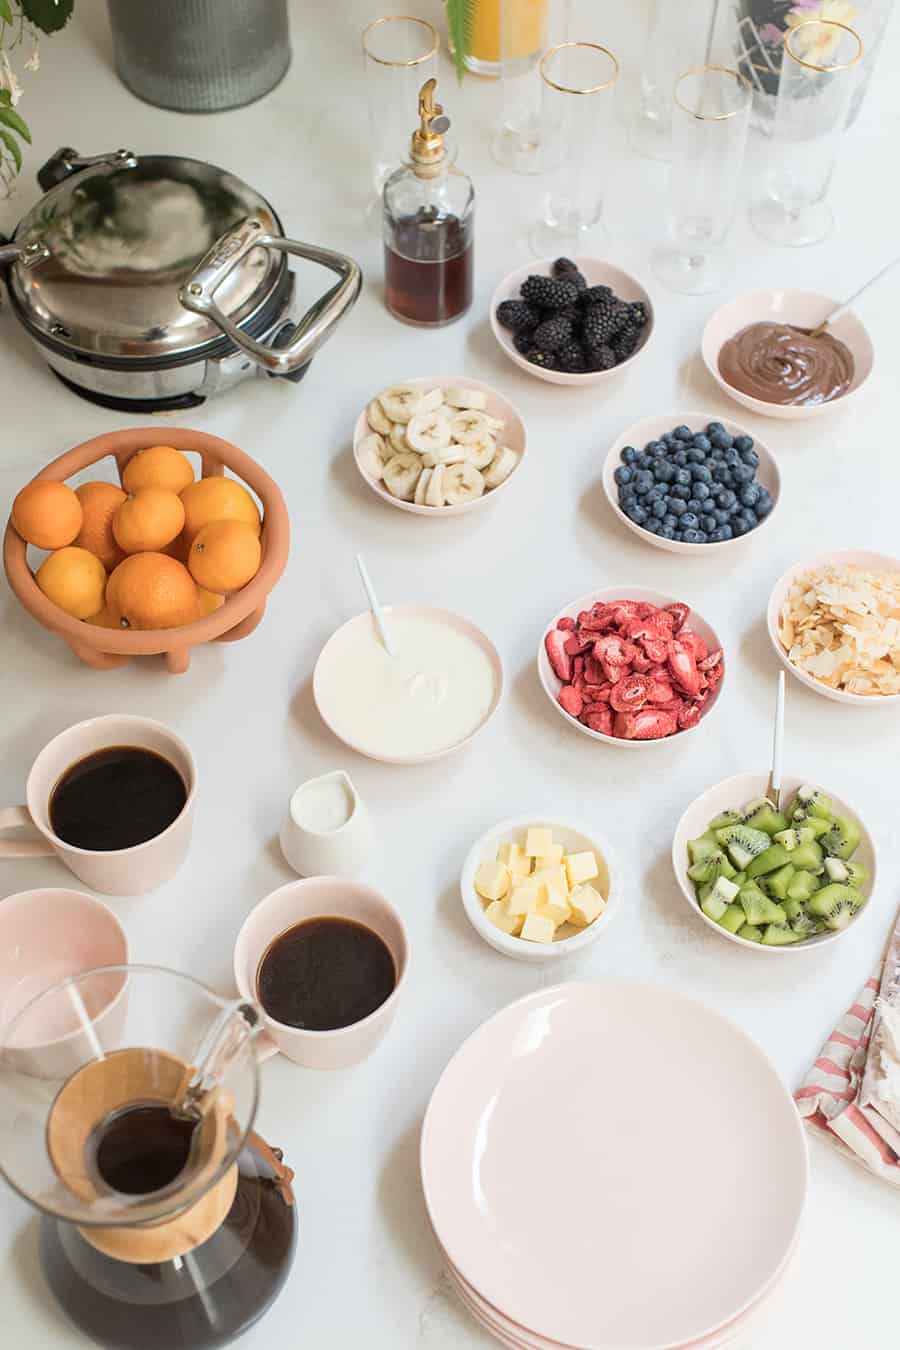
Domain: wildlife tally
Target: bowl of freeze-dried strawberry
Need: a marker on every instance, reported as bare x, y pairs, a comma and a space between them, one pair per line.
631, 667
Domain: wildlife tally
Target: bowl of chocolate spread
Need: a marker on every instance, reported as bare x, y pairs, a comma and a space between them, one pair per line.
760, 350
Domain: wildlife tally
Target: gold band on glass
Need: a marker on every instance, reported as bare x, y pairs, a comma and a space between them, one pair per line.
823, 23
590, 46
721, 70
401, 18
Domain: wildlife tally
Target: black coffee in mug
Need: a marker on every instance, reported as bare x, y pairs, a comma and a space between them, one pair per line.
116, 798
325, 973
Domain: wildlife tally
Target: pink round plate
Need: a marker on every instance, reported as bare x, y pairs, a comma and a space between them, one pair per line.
595, 1142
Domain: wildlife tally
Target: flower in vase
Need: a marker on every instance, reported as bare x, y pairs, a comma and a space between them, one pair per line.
771, 35
818, 45
8, 79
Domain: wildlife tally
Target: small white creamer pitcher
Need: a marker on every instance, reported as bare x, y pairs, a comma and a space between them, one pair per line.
327, 830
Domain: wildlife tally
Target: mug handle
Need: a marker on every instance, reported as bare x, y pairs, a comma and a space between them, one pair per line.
19, 817
265, 1044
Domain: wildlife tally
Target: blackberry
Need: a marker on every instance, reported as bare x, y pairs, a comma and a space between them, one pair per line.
552, 334
597, 295
539, 358
620, 316
596, 327
638, 313
571, 358
623, 346
565, 270
548, 293
517, 316
601, 359
523, 343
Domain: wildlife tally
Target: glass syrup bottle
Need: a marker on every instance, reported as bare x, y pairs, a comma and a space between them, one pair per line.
428, 220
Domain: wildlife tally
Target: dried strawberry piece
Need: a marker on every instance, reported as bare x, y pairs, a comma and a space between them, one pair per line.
642, 665
630, 693
689, 716
683, 670
570, 699
679, 613
655, 648
600, 720
644, 725
593, 671
577, 643
694, 643
660, 691
598, 693
714, 675
560, 660
621, 612
614, 650
711, 661
578, 666
565, 624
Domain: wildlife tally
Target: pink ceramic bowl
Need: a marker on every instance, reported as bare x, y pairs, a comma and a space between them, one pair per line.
733, 792
648, 430
881, 562
598, 273
806, 309
551, 685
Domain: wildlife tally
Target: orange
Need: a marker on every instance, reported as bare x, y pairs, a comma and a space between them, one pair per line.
212, 499
224, 556
157, 466
99, 503
149, 520
104, 618
150, 590
47, 514
73, 579
209, 602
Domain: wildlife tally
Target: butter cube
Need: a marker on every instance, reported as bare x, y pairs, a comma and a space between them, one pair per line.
523, 898
545, 877
555, 905
497, 915
492, 880
538, 928
538, 842
581, 867
551, 859
587, 905
514, 857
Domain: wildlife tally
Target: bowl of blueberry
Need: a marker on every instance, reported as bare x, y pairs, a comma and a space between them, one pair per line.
571, 321
690, 485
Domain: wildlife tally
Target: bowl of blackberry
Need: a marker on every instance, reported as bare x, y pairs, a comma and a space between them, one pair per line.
690, 485
574, 322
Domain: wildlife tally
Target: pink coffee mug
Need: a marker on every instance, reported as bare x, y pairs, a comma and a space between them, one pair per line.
45, 936
318, 898
125, 871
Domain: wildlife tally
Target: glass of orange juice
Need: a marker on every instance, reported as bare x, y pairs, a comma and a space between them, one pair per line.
506, 32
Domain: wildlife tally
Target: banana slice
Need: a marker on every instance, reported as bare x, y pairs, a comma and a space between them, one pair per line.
372, 452
429, 401
428, 431
459, 397
397, 438
401, 474
434, 493
482, 452
450, 454
399, 402
500, 467
495, 423
377, 419
424, 480
469, 426
462, 482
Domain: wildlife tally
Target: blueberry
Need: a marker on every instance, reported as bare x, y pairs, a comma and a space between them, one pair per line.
764, 504
666, 531
694, 536
721, 515
725, 479
628, 455
750, 494
732, 457
683, 433
627, 498
677, 507
680, 458
690, 521
643, 482
683, 476
750, 457
738, 525
702, 442
670, 519
743, 443
663, 471
748, 518
654, 448
659, 508
695, 505
656, 493
654, 526
679, 490
742, 473
726, 500
636, 513
722, 533
713, 427
721, 440
678, 535
701, 492
701, 474
622, 475
668, 439
708, 522
695, 456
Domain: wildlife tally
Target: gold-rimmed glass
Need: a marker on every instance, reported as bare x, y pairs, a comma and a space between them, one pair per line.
577, 82
710, 115
400, 53
819, 71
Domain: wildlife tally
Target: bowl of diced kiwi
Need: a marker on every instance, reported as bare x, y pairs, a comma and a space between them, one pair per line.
779, 876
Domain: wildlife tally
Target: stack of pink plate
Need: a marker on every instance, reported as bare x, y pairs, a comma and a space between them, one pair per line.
613, 1167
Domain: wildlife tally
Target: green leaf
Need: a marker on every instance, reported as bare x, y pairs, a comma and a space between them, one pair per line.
10, 118
5, 11
5, 97
460, 16
12, 145
47, 15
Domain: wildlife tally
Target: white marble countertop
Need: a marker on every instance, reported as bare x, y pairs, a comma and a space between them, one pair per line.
367, 1271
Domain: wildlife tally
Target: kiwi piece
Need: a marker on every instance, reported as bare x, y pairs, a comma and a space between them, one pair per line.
837, 869
801, 886
818, 825
780, 935
713, 907
758, 908
771, 858
859, 874
739, 878
703, 847
805, 926
711, 868
836, 904
843, 838
806, 835
733, 918
788, 839
729, 817
777, 882
815, 801
750, 933
809, 856
765, 817
743, 843
793, 908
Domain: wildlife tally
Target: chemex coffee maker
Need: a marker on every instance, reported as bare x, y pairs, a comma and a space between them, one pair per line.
127, 1100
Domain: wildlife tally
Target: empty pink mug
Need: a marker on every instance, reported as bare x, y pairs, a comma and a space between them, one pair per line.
126, 871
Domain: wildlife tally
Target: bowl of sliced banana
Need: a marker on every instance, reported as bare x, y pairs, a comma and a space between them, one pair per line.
438, 446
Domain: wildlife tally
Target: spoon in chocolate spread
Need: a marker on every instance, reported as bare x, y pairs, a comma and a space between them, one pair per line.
842, 308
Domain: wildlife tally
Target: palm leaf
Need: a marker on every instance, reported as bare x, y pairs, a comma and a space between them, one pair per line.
12, 146
10, 118
460, 17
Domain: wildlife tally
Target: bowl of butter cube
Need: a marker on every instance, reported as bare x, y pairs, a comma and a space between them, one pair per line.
537, 889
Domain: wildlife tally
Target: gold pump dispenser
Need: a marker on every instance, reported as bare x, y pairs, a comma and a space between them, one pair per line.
428, 149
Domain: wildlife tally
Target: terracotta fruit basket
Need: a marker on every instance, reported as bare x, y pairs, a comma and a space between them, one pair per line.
104, 648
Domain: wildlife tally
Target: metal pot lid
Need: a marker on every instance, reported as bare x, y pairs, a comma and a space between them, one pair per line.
112, 243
